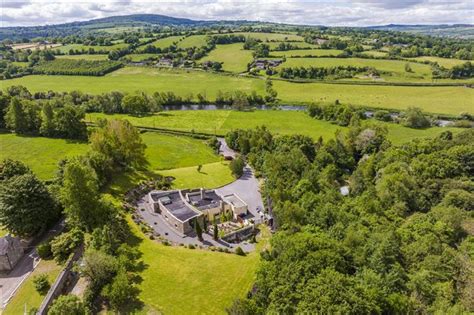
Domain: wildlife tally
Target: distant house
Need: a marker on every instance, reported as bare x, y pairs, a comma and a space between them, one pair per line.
183, 208
165, 62
320, 41
263, 64
10, 252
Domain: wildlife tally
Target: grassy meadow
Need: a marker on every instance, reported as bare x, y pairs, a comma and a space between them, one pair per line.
444, 62
233, 56
166, 42
280, 122
141, 57
65, 49
269, 37
274, 45
304, 52
193, 41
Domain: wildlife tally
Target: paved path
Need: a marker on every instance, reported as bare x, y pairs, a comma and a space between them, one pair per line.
225, 150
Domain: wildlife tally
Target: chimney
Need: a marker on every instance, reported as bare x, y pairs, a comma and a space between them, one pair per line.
202, 193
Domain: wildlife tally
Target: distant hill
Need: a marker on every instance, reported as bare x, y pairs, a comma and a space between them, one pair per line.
444, 30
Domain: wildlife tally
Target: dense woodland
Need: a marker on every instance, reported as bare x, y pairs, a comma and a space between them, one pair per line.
400, 242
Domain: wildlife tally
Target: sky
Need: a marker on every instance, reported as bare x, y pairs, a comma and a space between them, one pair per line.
314, 12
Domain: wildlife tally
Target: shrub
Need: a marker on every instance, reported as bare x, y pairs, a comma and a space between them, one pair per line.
67, 304
191, 246
414, 118
239, 251
44, 250
41, 283
237, 167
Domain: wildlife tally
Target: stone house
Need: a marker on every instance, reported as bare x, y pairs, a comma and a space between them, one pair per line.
10, 252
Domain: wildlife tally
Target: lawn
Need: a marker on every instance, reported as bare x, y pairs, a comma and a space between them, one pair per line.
85, 57
193, 41
178, 280
211, 175
27, 296
233, 56
445, 62
280, 122
421, 72
131, 79
40, 154
305, 52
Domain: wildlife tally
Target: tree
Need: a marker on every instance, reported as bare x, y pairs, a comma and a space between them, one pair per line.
135, 104
26, 207
63, 245
67, 304
80, 195
10, 168
120, 291
48, 127
98, 267
121, 142
15, 117
237, 167
215, 234
414, 118
41, 283
69, 122
198, 229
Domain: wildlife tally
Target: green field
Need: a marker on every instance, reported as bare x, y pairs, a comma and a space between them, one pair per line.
274, 45
85, 57
375, 53
65, 49
446, 100
27, 298
276, 37
193, 41
445, 62
178, 280
131, 79
305, 52
233, 56
421, 72
40, 154
279, 122
166, 42
163, 152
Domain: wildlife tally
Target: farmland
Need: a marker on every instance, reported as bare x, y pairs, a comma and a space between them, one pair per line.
77, 67
233, 56
279, 122
272, 37
193, 41
444, 62
65, 49
85, 57
166, 42
305, 52
439, 99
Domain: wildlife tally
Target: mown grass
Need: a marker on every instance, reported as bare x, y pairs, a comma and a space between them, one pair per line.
233, 56
163, 152
445, 100
305, 52
85, 57
40, 154
280, 122
27, 297
179, 280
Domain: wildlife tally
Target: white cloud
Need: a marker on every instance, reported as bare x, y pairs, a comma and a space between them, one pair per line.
326, 12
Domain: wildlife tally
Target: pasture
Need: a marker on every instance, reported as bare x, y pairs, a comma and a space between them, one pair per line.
141, 57
420, 72
233, 56
444, 62
271, 37
305, 52
280, 122
166, 42
439, 99
193, 41
300, 45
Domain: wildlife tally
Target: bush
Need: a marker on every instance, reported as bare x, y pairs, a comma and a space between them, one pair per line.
67, 304
239, 251
191, 246
237, 167
414, 118
44, 250
463, 124
41, 283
